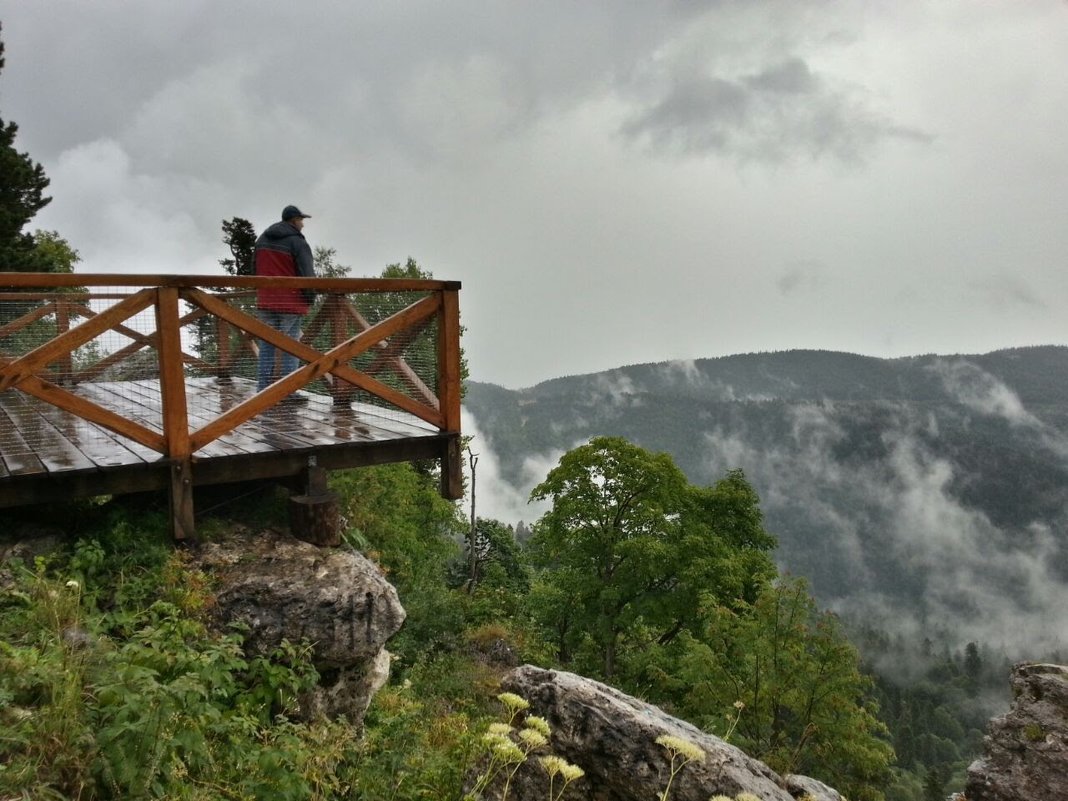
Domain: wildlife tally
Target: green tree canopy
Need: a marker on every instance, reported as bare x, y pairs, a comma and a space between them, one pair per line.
22, 186
631, 547
807, 706
327, 265
56, 251
497, 557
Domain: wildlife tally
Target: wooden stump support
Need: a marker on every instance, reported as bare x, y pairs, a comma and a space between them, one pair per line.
315, 516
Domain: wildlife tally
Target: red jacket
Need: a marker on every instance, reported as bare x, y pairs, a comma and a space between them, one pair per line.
282, 250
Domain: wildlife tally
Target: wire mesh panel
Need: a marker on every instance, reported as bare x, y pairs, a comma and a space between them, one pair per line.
67, 344
405, 361
122, 371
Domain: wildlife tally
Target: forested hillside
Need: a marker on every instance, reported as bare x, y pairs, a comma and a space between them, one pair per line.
926, 494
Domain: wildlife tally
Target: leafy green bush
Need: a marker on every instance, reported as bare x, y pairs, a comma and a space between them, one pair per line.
112, 686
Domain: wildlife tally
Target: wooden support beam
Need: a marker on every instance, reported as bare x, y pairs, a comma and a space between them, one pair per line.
315, 516
449, 392
175, 413
452, 472
66, 361
181, 500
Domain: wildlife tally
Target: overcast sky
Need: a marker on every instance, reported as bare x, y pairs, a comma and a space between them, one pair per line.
613, 182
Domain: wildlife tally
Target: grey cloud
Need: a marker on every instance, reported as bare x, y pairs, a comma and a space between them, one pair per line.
775, 115
802, 276
1001, 291
485, 140
790, 77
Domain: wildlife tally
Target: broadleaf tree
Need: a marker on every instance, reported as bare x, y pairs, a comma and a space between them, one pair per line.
630, 547
808, 708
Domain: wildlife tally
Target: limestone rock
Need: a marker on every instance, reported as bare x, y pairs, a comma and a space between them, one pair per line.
612, 736
1025, 751
23, 545
335, 599
808, 788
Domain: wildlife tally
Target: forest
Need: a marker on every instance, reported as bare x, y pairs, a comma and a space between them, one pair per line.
920, 494
635, 576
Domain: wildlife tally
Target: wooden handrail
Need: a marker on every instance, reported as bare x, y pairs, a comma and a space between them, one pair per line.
49, 370
344, 285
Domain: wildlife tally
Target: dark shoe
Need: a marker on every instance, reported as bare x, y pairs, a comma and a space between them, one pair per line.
294, 400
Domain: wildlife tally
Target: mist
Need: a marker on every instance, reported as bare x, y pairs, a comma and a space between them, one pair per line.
941, 518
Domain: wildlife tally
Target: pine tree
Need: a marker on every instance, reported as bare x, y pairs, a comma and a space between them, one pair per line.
22, 185
240, 237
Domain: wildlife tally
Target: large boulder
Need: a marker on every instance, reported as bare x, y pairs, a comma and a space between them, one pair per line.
334, 599
613, 738
1025, 751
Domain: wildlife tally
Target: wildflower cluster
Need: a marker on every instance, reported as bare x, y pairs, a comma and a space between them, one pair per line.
682, 753
733, 719
509, 747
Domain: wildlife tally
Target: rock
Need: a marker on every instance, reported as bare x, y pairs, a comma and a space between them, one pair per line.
334, 599
1025, 751
22, 546
612, 737
30, 541
808, 788
347, 690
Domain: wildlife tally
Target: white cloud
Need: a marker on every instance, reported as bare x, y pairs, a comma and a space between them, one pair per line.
975, 581
977, 389
496, 498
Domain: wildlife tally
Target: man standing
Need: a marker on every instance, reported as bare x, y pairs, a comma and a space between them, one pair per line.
282, 250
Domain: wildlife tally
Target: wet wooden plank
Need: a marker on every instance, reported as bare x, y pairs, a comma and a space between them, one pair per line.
103, 447
318, 423
131, 399
141, 401
400, 423
210, 398
86, 455
17, 456
49, 445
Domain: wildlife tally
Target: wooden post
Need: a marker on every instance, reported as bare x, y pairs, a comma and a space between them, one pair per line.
342, 391
66, 361
315, 517
224, 366
175, 413
181, 501
449, 392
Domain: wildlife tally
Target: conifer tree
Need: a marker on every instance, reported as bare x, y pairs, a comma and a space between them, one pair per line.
240, 237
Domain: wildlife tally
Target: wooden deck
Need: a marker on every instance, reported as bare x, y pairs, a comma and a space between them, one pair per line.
114, 384
47, 454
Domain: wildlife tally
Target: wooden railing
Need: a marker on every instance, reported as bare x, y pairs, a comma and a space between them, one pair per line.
394, 342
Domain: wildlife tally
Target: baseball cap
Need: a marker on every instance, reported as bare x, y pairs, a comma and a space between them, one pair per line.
292, 211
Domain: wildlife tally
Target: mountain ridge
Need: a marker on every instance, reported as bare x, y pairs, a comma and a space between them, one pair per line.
930, 489
1000, 360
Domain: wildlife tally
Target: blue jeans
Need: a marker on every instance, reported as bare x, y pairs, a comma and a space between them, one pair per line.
288, 324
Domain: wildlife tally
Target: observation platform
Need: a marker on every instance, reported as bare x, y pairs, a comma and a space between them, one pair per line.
119, 384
